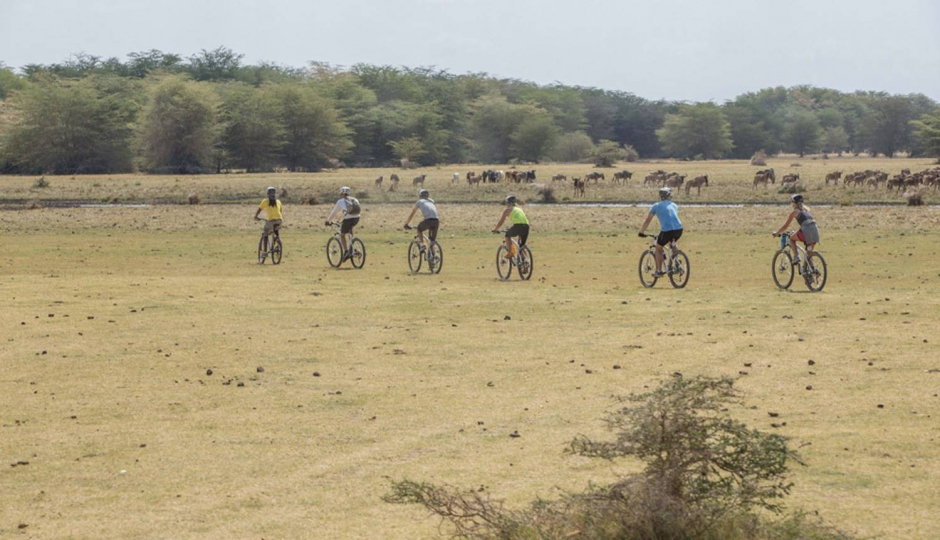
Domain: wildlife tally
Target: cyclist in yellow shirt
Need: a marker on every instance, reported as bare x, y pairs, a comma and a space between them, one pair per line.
273, 221
520, 225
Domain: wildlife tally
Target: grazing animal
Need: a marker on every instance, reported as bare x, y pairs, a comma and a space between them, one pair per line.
762, 177
560, 177
378, 181
697, 182
655, 178
419, 180
905, 172
896, 182
834, 177
790, 179
579, 186
675, 181
472, 178
394, 179
622, 177
594, 176
455, 178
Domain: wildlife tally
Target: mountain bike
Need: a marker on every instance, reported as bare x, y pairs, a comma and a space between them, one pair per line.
812, 268
334, 249
521, 259
273, 248
418, 253
674, 259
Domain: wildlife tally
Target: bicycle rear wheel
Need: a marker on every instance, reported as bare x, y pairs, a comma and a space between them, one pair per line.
334, 252
782, 269
525, 265
358, 253
262, 252
436, 261
816, 272
415, 257
679, 269
276, 250
503, 265
647, 269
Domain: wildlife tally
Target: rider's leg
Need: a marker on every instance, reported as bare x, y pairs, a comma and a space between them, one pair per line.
659, 258
792, 241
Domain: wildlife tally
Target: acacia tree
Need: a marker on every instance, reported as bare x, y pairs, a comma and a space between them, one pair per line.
252, 134
802, 132
927, 131
179, 132
696, 131
313, 132
535, 135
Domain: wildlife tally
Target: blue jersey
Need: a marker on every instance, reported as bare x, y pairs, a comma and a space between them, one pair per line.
668, 214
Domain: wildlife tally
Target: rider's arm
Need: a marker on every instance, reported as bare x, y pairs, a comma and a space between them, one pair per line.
649, 218
786, 225
411, 215
257, 212
502, 219
336, 209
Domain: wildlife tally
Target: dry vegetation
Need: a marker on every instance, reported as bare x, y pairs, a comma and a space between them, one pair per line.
729, 182
133, 339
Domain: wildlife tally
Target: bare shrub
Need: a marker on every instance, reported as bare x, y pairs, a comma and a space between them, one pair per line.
33, 205
41, 183
795, 187
706, 475
759, 158
194, 198
631, 154
547, 193
362, 194
310, 200
283, 194
915, 195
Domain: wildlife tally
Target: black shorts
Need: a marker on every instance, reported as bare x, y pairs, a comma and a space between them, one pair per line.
668, 236
431, 225
348, 224
521, 230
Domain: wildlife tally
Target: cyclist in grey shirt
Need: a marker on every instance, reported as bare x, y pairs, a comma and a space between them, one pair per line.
431, 221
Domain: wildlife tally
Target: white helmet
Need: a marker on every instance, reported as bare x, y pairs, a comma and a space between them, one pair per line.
272, 188
344, 190
665, 193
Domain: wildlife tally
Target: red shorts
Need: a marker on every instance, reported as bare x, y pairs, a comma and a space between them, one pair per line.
799, 236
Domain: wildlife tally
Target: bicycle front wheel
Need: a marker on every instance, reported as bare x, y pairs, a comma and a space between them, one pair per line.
648, 269
358, 253
276, 250
782, 269
334, 252
503, 264
816, 272
436, 260
415, 257
525, 263
679, 269
262, 253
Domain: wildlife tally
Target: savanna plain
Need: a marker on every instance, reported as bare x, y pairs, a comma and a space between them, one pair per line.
158, 383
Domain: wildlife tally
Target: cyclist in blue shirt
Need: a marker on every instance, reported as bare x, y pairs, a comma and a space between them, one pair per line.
670, 228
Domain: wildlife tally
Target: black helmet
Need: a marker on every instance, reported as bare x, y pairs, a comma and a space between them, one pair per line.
423, 194
797, 198
510, 199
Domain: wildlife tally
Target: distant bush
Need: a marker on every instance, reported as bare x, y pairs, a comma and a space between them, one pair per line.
41, 183
631, 154
310, 199
194, 198
759, 159
33, 205
796, 187
362, 194
573, 148
915, 195
606, 153
707, 476
547, 193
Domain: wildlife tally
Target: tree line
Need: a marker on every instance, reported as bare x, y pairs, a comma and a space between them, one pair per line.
159, 112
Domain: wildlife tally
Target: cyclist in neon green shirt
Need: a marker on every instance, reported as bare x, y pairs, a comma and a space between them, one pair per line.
520, 225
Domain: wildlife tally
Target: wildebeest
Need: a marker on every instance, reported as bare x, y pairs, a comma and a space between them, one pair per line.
896, 182
622, 176
696, 182
560, 177
378, 181
675, 181
419, 180
791, 178
762, 177
394, 180
834, 177
655, 177
594, 176
579, 186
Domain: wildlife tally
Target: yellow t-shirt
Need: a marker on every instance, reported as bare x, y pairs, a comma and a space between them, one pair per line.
274, 212
517, 216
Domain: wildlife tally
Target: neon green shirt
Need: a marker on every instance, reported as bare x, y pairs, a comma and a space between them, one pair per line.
517, 216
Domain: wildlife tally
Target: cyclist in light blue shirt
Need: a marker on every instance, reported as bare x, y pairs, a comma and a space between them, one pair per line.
670, 228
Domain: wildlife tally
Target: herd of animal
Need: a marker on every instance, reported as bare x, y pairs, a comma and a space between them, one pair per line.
873, 179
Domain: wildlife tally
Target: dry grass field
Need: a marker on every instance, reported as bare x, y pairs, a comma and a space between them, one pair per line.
729, 182
161, 384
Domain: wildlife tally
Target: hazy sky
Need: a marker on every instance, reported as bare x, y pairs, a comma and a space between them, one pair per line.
673, 49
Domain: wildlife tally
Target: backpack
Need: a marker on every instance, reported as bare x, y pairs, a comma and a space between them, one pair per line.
352, 206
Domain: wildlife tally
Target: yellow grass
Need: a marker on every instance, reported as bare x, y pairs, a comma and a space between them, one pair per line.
112, 318
729, 181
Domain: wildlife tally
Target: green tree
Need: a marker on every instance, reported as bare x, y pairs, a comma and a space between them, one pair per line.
313, 132
835, 140
178, 130
573, 148
927, 132
699, 130
71, 126
221, 64
888, 126
493, 121
608, 153
9, 82
535, 135
409, 148
252, 132
802, 132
